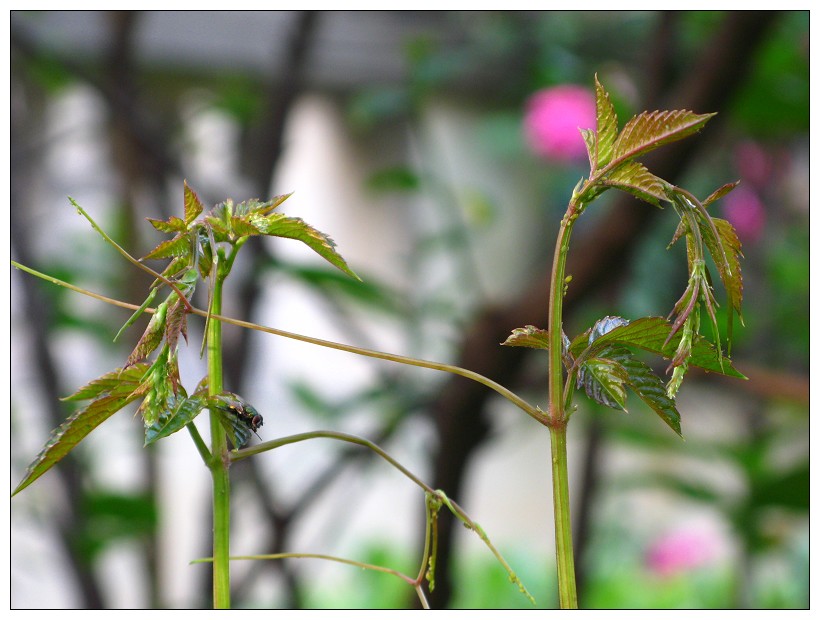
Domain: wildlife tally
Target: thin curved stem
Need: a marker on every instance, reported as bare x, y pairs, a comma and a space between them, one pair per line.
454, 508
533, 411
332, 558
130, 258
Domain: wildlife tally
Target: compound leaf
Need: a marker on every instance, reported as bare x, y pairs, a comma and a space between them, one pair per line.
279, 225
650, 334
117, 382
79, 425
647, 131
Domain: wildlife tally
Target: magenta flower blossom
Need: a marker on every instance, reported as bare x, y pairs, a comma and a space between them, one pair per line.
681, 551
744, 209
552, 119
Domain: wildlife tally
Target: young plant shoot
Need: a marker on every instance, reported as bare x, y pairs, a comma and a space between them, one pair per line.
601, 361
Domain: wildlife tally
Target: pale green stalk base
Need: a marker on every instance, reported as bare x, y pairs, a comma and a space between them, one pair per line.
219, 463
567, 595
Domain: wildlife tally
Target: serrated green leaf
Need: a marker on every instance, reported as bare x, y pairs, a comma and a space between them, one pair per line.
648, 386
74, 430
607, 127
529, 336
117, 382
193, 206
633, 177
649, 130
278, 225
151, 337
181, 411
219, 227
730, 273
242, 227
178, 246
254, 206
174, 268
650, 334
176, 323
604, 381
172, 225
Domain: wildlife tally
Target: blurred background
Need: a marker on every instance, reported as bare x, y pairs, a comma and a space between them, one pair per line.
439, 150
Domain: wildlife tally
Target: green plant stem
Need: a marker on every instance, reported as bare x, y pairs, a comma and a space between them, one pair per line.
564, 556
219, 462
557, 416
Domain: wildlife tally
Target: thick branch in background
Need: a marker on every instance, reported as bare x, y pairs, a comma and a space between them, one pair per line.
460, 411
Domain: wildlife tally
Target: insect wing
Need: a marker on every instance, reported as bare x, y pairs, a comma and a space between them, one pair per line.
238, 431
237, 417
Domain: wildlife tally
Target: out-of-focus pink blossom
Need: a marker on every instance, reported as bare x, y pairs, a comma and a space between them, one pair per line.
681, 551
754, 163
552, 119
744, 209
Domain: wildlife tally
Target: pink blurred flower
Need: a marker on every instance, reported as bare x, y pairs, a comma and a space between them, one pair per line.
754, 163
682, 550
744, 209
552, 119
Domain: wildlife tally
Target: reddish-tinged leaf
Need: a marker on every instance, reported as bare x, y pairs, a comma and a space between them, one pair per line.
179, 246
528, 336
729, 271
720, 192
172, 225
607, 127
71, 432
633, 177
241, 227
649, 130
118, 381
278, 225
193, 206
151, 337
176, 323
260, 208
